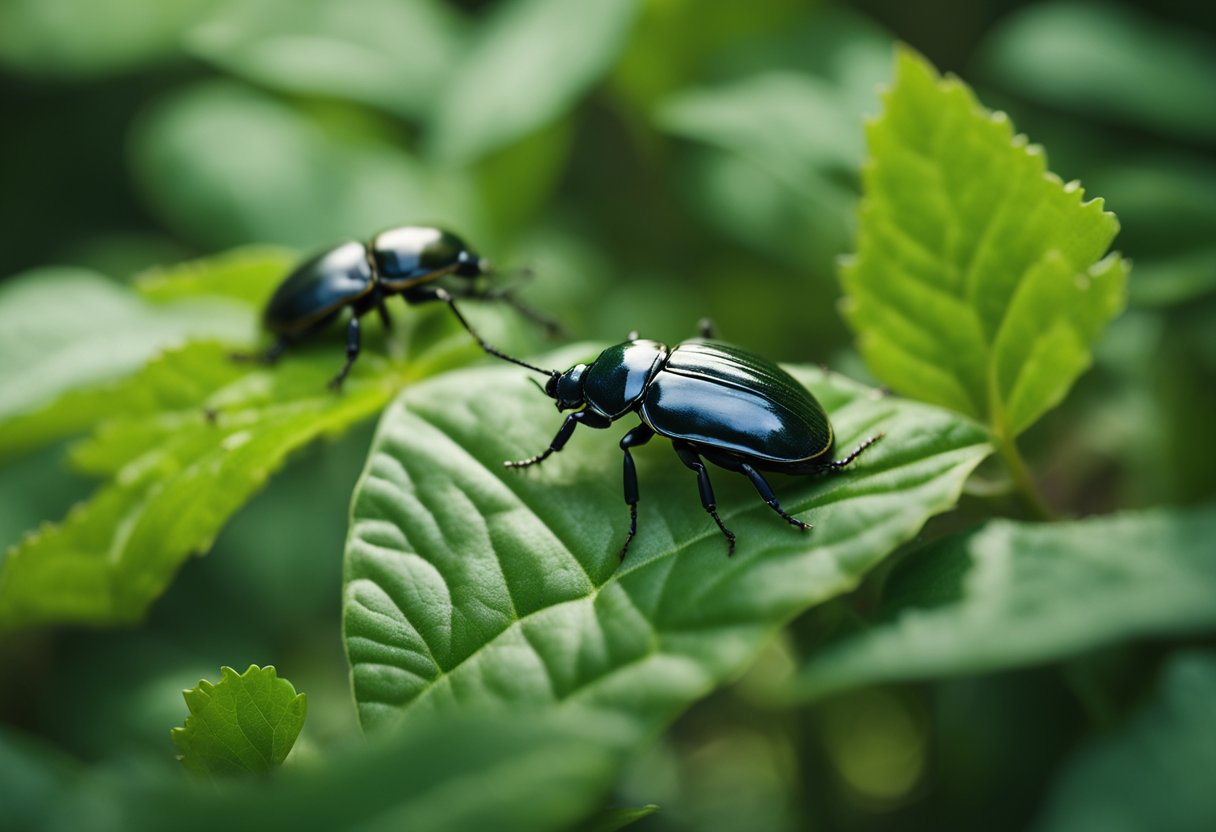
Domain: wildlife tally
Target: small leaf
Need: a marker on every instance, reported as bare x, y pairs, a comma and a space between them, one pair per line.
386, 53
1155, 773
977, 282
467, 582
1015, 594
244, 724
526, 68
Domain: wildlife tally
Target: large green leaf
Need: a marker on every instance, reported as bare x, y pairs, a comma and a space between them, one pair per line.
524, 70
469, 771
1156, 772
977, 282
1015, 594
466, 582
244, 724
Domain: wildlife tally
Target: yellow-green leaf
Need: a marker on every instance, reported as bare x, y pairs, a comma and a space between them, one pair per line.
980, 281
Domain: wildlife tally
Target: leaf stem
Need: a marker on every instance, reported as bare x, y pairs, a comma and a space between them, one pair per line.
1024, 482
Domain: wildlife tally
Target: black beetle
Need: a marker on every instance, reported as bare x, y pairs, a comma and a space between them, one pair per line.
404, 261
715, 402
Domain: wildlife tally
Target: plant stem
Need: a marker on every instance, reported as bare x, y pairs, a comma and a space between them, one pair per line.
1024, 482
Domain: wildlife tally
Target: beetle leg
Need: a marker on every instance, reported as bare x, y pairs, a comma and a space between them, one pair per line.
766, 493
584, 417
269, 357
352, 352
385, 318
841, 463
691, 460
635, 438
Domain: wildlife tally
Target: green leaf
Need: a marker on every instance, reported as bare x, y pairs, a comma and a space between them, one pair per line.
520, 771
1155, 773
386, 53
63, 328
187, 441
63, 38
249, 274
527, 67
977, 282
244, 724
466, 582
1015, 594
227, 165
610, 820
1109, 60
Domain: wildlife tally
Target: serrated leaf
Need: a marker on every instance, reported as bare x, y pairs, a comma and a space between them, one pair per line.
467, 583
524, 70
1154, 773
386, 53
977, 282
1015, 594
187, 441
64, 328
244, 724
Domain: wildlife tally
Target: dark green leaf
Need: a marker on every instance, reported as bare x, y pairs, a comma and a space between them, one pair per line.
1015, 594
1109, 59
1155, 773
467, 583
244, 724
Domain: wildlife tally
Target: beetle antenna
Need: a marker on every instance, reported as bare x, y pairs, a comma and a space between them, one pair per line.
447, 298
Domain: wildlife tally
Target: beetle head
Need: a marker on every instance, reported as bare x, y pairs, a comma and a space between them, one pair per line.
470, 265
567, 387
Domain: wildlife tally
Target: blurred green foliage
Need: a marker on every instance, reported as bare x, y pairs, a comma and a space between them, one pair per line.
653, 161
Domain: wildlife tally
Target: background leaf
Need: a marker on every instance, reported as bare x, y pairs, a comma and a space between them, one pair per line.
1111, 60
975, 284
1154, 773
198, 434
509, 83
48, 346
419, 779
467, 582
388, 53
1014, 594
244, 724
